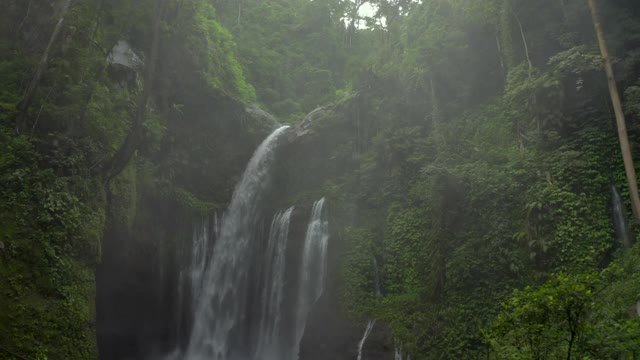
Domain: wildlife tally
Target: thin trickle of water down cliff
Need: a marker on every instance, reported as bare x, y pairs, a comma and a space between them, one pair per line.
250, 298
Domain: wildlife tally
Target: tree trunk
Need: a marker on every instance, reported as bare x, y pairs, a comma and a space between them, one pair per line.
121, 158
25, 103
435, 118
25, 18
505, 33
503, 68
351, 30
563, 7
524, 42
617, 107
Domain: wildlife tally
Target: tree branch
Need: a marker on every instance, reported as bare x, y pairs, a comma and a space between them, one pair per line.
25, 103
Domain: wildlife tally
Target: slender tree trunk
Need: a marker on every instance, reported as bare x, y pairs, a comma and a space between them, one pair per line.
25, 18
499, 48
434, 101
505, 33
435, 118
25, 103
503, 69
570, 350
563, 7
100, 70
524, 42
617, 107
351, 30
573, 329
121, 158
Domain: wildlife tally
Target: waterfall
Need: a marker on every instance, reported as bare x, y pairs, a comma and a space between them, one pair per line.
398, 354
367, 331
270, 328
199, 251
371, 323
313, 270
248, 301
221, 307
190, 278
619, 220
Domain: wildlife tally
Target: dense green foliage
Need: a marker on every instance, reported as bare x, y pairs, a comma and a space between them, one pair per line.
57, 194
50, 233
469, 150
471, 164
293, 51
579, 316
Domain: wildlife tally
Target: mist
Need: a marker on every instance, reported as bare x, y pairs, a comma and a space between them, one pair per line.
319, 179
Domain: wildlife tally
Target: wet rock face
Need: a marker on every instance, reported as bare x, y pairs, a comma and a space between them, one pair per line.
138, 314
136, 302
138, 311
379, 344
318, 151
309, 125
329, 334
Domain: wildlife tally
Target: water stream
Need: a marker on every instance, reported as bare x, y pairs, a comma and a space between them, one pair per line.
248, 301
371, 323
270, 327
366, 334
619, 220
313, 270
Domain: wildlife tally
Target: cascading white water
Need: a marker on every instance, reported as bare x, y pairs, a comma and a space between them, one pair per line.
199, 250
371, 323
313, 271
367, 332
270, 327
221, 306
619, 220
190, 278
249, 303
398, 354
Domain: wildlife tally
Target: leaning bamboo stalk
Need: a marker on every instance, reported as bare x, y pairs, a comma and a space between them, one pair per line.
619, 113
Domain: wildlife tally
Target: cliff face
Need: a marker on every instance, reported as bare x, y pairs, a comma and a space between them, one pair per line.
148, 236
149, 233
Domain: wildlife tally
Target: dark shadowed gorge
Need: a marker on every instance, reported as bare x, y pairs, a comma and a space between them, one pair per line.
319, 179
